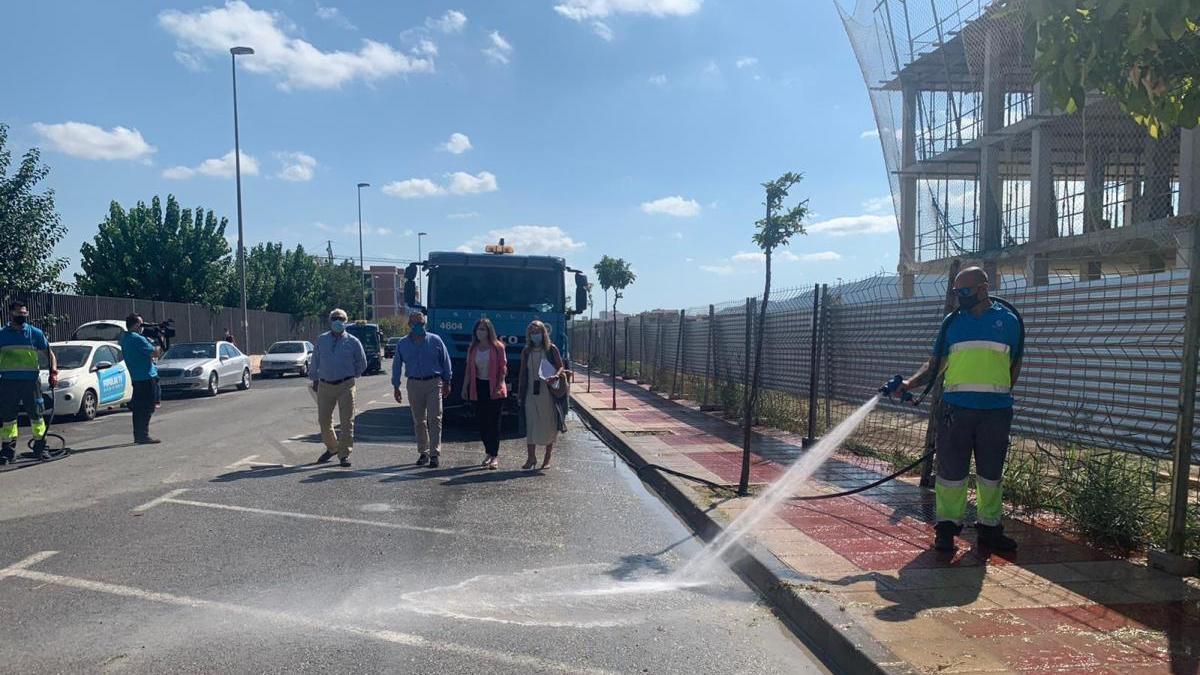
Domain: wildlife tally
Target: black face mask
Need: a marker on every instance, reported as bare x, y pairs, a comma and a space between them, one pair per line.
967, 299
19, 319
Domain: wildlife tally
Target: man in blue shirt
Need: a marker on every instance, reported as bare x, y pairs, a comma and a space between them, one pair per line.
423, 356
20, 387
138, 353
337, 361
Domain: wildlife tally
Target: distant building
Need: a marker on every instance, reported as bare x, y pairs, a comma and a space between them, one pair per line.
385, 295
609, 315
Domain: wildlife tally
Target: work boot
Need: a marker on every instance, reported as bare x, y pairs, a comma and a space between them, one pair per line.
39, 450
8, 452
423, 459
433, 461
993, 537
946, 531
344, 462
325, 457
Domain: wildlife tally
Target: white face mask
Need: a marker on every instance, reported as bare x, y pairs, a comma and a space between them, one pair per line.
481, 335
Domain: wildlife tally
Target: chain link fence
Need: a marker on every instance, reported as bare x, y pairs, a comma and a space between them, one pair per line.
1097, 400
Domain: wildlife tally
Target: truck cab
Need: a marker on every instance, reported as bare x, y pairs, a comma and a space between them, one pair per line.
372, 341
510, 289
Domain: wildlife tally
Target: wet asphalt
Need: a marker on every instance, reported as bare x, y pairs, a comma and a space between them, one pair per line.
225, 550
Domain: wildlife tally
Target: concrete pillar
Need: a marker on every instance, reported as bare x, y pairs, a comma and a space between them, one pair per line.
1154, 203
908, 192
990, 183
1095, 157
1043, 217
1189, 171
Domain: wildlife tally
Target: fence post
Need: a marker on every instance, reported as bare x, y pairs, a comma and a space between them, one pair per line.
613, 364
812, 369
825, 339
658, 354
747, 414
708, 359
678, 355
935, 395
625, 352
590, 351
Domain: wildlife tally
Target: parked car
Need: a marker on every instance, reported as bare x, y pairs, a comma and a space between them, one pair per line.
106, 330
92, 376
389, 347
203, 366
291, 356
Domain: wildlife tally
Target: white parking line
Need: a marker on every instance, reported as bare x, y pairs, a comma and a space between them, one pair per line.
158, 500
240, 462
395, 637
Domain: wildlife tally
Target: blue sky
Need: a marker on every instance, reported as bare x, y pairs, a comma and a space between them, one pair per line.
634, 128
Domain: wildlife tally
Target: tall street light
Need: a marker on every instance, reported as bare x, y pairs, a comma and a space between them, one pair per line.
420, 270
360, 251
235, 52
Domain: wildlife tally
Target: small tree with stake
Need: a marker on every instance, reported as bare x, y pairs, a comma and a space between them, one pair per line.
773, 231
614, 273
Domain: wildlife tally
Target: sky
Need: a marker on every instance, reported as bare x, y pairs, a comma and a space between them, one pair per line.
639, 129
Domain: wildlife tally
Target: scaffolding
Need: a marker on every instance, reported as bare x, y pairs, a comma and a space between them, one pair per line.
983, 167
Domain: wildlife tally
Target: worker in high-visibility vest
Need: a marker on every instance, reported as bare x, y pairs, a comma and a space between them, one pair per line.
978, 357
19, 385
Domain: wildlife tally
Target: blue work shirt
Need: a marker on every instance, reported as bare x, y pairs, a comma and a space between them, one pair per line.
426, 359
137, 351
337, 358
996, 324
23, 344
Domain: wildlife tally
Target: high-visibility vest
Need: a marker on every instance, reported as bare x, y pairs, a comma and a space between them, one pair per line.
21, 357
979, 366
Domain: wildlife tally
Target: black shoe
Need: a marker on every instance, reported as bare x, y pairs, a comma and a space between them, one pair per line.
149, 440
993, 537
433, 462
345, 461
40, 452
946, 531
325, 457
8, 453
423, 459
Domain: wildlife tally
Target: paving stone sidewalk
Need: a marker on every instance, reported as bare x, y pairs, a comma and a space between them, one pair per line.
1055, 605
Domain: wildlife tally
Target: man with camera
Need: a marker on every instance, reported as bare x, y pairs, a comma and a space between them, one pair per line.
139, 359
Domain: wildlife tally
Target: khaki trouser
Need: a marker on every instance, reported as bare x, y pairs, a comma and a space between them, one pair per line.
425, 401
341, 395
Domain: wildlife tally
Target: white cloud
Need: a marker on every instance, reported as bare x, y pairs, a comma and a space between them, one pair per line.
463, 183
322, 227
658, 80
821, 256
677, 235
334, 15
746, 62
603, 30
784, 256
413, 188
673, 206
722, 270
297, 166
712, 69
500, 50
222, 167
88, 141
367, 229
463, 215
190, 61
747, 257
869, 133
296, 63
878, 204
580, 10
458, 144
452, 21
853, 225
526, 239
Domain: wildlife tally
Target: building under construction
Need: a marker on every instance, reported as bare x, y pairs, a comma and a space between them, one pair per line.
982, 167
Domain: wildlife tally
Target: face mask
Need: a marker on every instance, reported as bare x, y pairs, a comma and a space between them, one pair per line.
967, 298
536, 339
19, 320
481, 335
418, 329
338, 325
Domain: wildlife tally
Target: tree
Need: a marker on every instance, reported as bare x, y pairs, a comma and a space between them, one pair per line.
614, 273
342, 285
1141, 53
299, 290
264, 271
29, 225
176, 256
773, 231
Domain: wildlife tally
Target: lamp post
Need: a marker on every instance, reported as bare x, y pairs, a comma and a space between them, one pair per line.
235, 52
421, 268
361, 265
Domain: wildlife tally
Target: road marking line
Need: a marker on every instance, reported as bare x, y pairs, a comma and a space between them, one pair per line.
394, 637
240, 462
351, 521
158, 500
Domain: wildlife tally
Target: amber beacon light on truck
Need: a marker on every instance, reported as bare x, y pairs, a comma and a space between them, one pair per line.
499, 249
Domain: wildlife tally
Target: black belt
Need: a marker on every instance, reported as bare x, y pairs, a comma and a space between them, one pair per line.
337, 381
426, 379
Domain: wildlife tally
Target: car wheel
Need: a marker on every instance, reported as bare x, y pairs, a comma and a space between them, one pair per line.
214, 385
303, 372
87, 407
245, 383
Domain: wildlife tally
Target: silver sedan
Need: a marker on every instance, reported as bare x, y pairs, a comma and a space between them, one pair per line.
203, 367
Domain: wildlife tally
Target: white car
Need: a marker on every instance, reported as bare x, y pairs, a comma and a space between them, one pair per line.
106, 330
291, 356
92, 376
203, 366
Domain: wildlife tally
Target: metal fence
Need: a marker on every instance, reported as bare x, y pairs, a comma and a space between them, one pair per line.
1097, 399
59, 315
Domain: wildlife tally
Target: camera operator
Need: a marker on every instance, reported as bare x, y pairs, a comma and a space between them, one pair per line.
139, 359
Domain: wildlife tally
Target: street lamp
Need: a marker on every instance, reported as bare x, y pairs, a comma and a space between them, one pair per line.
362, 266
235, 52
421, 268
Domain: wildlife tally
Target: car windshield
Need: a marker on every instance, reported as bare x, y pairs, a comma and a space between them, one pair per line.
104, 332
71, 357
196, 350
497, 288
286, 348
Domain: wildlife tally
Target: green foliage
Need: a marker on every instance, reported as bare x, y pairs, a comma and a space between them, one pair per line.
29, 225
176, 256
342, 285
1142, 53
777, 229
1110, 498
393, 326
614, 274
279, 280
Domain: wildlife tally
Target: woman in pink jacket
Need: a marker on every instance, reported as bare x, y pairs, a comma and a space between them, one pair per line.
483, 381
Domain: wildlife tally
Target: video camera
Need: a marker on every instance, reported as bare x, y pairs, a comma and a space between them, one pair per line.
160, 333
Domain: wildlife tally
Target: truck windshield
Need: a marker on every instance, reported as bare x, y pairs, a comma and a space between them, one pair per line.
368, 334
497, 288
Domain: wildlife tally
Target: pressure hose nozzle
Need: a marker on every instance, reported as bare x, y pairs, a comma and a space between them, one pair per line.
893, 386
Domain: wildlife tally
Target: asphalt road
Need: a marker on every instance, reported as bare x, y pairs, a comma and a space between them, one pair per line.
223, 550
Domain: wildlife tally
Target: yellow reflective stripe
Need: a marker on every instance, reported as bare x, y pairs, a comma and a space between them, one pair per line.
979, 344
18, 357
982, 388
978, 367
